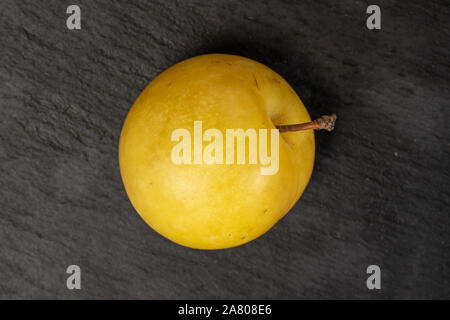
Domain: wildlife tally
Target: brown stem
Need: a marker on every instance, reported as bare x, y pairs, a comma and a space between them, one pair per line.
322, 123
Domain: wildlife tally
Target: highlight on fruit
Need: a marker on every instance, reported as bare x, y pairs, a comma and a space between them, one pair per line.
216, 150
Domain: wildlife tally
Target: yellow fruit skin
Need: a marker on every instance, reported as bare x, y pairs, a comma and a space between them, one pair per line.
213, 206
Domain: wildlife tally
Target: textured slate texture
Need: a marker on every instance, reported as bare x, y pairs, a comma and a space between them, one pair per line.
380, 188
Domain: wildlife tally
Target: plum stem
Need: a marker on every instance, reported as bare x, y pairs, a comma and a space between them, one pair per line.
321, 123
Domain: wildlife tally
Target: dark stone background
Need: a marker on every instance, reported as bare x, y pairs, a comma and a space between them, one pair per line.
380, 188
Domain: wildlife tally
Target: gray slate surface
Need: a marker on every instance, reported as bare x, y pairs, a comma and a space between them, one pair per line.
380, 188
